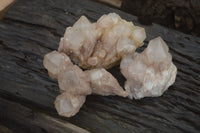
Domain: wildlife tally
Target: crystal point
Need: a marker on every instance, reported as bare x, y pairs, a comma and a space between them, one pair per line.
101, 44
149, 73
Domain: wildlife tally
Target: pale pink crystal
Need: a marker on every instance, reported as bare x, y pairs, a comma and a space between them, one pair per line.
103, 83
69, 104
75, 84
101, 44
78, 41
149, 73
52, 62
73, 80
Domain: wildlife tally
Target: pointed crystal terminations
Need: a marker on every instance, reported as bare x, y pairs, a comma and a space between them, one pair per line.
75, 84
72, 82
52, 62
101, 44
69, 104
103, 83
149, 73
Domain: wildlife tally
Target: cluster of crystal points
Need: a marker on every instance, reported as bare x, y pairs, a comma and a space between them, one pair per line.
101, 44
149, 73
75, 84
98, 46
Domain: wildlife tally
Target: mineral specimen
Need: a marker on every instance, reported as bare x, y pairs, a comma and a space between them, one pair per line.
103, 83
101, 44
69, 104
75, 84
73, 80
52, 62
98, 46
149, 73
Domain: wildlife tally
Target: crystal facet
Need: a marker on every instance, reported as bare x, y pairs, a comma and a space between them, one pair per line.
103, 83
52, 62
101, 44
73, 80
149, 73
69, 104
75, 84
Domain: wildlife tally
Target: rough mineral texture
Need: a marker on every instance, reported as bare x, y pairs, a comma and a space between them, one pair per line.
103, 83
72, 81
101, 44
69, 104
52, 62
32, 29
149, 73
75, 84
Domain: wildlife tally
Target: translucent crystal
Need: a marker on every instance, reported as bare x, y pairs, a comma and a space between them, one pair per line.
149, 73
68, 104
52, 62
103, 83
98, 46
101, 44
73, 80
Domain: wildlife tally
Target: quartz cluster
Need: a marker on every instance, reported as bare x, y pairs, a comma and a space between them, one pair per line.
101, 45
149, 73
75, 84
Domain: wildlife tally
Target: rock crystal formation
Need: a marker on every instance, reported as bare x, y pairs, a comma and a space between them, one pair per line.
101, 44
103, 83
149, 73
75, 84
